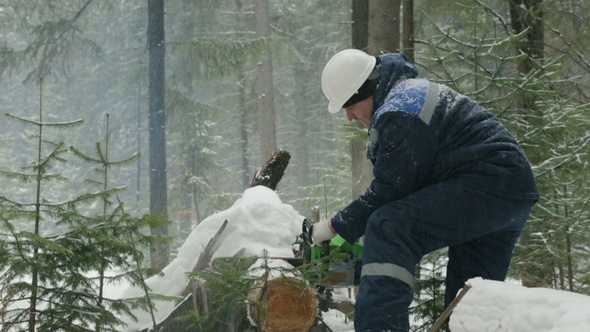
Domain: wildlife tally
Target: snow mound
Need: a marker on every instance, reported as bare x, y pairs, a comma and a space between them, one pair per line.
258, 224
504, 307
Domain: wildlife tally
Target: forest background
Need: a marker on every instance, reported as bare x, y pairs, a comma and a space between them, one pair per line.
238, 79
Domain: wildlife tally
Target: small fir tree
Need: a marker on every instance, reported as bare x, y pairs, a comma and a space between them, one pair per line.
429, 292
54, 257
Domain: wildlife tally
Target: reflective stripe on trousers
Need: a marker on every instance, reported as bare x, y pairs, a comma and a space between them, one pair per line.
388, 270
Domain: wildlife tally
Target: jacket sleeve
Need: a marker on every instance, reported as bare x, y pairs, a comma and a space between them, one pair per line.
402, 155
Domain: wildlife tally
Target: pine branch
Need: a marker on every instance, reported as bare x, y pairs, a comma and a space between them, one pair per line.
59, 125
142, 279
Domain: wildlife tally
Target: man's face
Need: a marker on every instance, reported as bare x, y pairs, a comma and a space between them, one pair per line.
362, 111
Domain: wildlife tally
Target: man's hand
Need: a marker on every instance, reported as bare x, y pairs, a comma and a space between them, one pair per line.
322, 231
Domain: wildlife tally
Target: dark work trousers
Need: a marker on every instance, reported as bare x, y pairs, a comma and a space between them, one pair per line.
479, 228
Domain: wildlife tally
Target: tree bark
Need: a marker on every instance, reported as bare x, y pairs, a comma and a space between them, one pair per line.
384, 26
408, 29
303, 123
157, 129
243, 130
528, 14
273, 170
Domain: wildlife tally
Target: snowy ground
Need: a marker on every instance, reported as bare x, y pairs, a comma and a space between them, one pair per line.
492, 306
260, 222
505, 307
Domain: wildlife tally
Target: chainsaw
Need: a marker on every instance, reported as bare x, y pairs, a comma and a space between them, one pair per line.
343, 258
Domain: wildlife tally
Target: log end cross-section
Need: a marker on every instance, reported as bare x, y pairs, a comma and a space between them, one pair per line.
286, 304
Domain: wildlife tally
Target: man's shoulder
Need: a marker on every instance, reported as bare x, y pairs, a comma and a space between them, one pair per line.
417, 97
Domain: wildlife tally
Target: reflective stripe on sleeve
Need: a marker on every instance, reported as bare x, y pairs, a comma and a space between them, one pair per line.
388, 270
430, 102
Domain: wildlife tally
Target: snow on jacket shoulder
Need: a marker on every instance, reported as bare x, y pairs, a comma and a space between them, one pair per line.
424, 133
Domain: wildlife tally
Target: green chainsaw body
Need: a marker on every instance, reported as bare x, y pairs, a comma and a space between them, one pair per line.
344, 259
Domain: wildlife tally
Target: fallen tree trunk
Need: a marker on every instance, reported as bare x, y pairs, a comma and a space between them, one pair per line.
281, 300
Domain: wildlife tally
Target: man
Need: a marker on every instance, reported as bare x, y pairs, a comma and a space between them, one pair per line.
447, 174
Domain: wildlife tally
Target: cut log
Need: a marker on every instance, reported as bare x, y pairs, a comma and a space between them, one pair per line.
272, 171
282, 301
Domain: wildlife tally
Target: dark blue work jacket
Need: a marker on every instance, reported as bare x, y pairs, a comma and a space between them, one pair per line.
425, 133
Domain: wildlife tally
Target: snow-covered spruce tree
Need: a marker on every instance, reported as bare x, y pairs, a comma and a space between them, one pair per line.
116, 237
546, 109
555, 253
479, 57
54, 257
227, 301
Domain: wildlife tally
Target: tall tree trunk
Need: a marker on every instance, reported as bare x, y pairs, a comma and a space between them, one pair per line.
244, 118
190, 165
361, 168
243, 131
302, 142
408, 29
376, 29
157, 128
528, 14
407, 35
384, 26
264, 87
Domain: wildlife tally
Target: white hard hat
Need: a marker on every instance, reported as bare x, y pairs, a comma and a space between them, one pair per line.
344, 74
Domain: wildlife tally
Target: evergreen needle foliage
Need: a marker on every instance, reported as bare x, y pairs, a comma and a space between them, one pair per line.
55, 256
544, 109
225, 304
227, 294
429, 292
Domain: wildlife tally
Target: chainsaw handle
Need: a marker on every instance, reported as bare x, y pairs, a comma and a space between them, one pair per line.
326, 245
